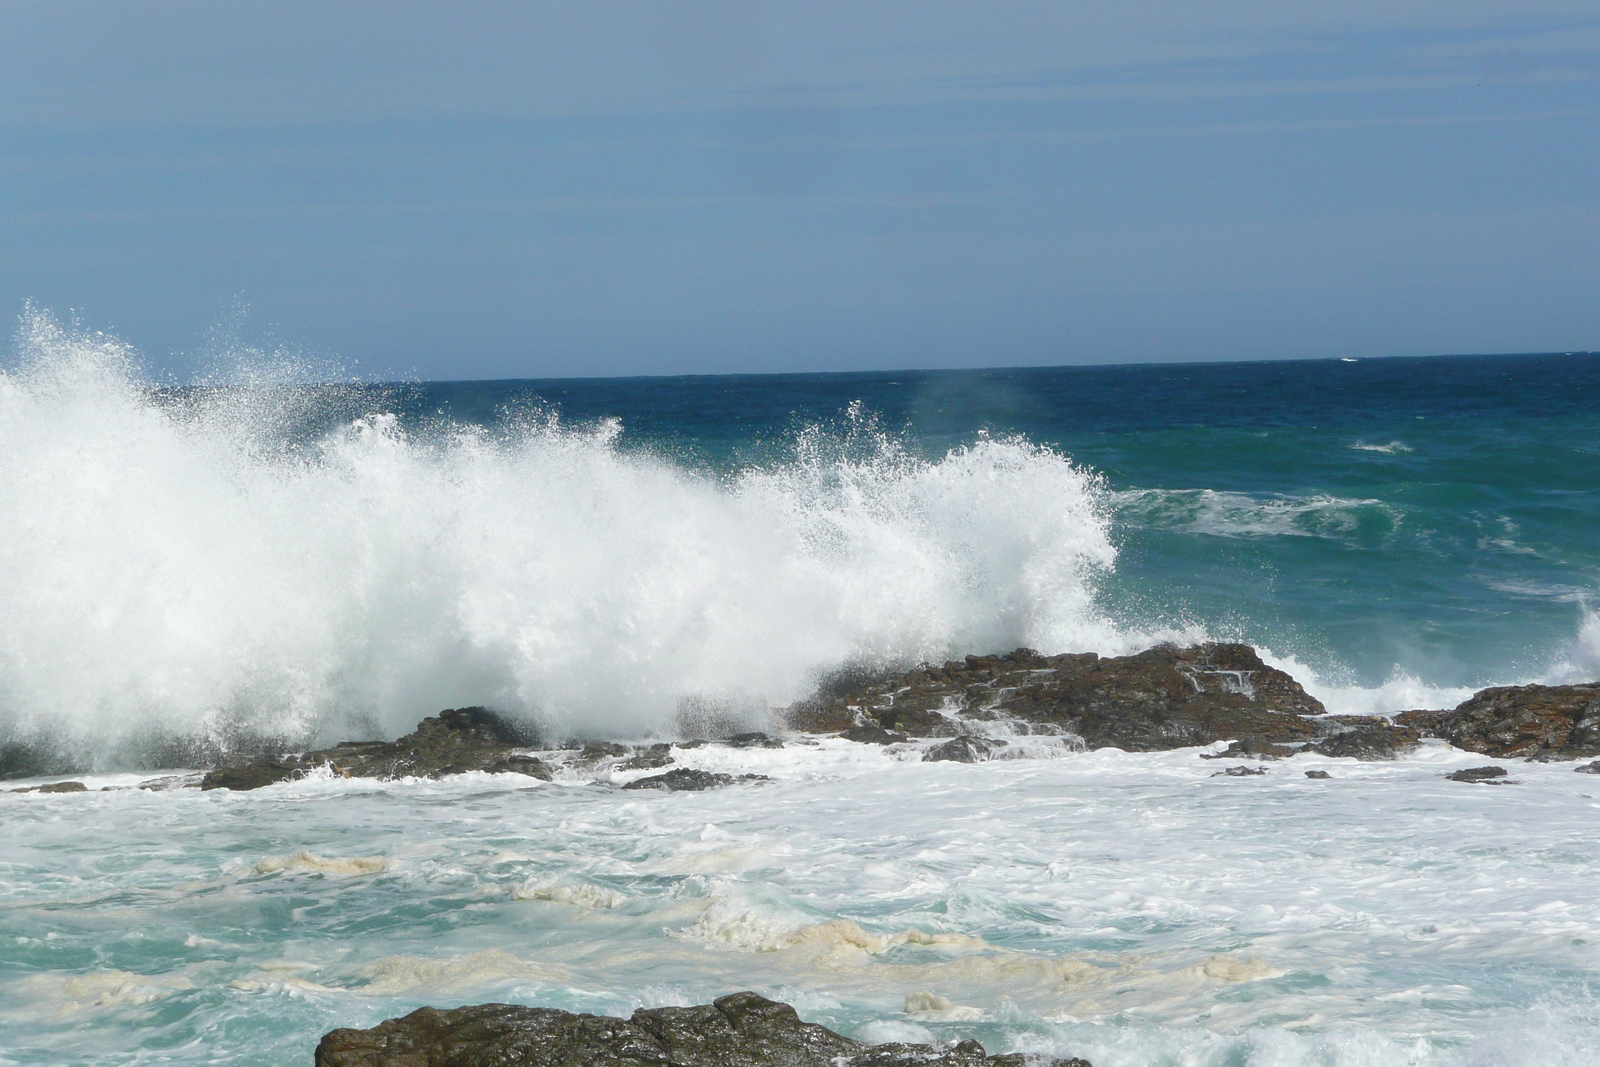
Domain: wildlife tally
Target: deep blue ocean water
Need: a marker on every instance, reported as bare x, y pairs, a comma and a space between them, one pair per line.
1434, 517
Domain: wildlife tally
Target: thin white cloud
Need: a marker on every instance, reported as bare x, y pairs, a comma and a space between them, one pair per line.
160, 62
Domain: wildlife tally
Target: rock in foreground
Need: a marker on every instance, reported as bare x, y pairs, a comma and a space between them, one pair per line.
453, 742
741, 1030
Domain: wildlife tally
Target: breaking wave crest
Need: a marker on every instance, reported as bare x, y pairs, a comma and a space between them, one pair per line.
181, 564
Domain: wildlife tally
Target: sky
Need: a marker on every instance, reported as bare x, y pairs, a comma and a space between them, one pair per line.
413, 188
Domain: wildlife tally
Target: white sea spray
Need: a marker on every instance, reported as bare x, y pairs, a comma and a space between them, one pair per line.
175, 565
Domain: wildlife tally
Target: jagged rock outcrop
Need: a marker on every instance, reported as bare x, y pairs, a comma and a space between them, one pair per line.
741, 1030
1363, 737
1162, 698
684, 779
453, 742
1480, 775
963, 750
1536, 721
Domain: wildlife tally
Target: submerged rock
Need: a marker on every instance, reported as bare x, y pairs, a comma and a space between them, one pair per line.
1363, 737
55, 787
741, 1030
966, 749
659, 755
685, 780
1589, 768
1519, 720
1481, 775
1239, 772
1162, 698
872, 735
1318, 774
453, 742
752, 739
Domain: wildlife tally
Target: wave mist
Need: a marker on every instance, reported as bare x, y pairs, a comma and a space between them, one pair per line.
184, 566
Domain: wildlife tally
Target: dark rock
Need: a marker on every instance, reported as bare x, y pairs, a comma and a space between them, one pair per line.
172, 781
684, 779
1163, 698
1240, 772
753, 739
255, 774
1589, 768
453, 742
741, 1030
1265, 750
37, 758
1481, 775
1318, 774
966, 749
1363, 737
1519, 720
55, 787
651, 758
872, 735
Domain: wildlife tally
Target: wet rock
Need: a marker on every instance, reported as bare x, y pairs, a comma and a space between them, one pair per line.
1519, 720
1163, 698
455, 741
964, 749
55, 787
752, 739
651, 758
872, 735
683, 779
172, 781
741, 1030
1363, 737
1318, 774
1264, 750
1589, 768
1481, 775
1240, 771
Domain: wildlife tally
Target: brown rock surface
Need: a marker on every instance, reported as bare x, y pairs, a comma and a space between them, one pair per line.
1162, 698
740, 1030
452, 742
1561, 721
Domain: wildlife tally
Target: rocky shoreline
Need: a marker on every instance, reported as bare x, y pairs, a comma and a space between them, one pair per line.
1220, 698
739, 1030
977, 709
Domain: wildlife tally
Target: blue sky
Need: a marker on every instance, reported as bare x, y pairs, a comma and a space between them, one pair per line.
513, 190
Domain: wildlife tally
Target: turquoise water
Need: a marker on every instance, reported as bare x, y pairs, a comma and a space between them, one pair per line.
639, 558
1430, 517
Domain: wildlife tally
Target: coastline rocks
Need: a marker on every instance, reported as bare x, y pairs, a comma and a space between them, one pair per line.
453, 742
740, 1030
1162, 698
964, 749
54, 787
682, 779
1561, 721
1363, 737
1480, 775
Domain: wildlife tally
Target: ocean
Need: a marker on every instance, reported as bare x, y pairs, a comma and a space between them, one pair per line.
189, 568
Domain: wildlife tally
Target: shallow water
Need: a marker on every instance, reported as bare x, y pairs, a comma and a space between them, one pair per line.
1126, 907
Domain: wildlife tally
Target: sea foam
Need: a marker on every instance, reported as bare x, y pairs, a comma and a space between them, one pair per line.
182, 564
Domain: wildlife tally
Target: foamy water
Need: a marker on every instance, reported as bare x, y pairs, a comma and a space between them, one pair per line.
1130, 908
261, 558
